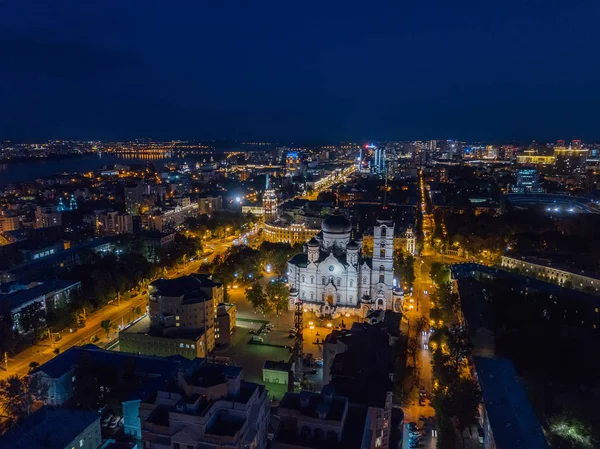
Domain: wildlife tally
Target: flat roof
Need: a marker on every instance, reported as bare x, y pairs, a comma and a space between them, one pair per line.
50, 428
21, 297
510, 413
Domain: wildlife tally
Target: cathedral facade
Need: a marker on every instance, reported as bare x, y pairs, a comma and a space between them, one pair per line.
332, 277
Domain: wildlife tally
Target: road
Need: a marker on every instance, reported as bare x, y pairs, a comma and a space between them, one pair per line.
119, 314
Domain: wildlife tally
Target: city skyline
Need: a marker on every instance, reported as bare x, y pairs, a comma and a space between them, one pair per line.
498, 72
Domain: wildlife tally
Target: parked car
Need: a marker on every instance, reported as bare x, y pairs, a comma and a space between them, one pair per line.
115, 422
293, 330
107, 419
319, 362
257, 338
412, 426
270, 326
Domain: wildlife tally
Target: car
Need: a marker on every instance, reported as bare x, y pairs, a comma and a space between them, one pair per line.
106, 421
319, 362
115, 422
412, 426
293, 330
312, 371
292, 336
270, 326
257, 338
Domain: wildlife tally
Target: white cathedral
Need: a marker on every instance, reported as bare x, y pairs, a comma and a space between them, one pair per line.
333, 278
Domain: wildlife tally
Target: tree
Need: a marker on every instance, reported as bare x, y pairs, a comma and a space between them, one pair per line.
440, 273
409, 270
277, 295
8, 341
465, 397
256, 296
32, 318
105, 324
33, 366
18, 394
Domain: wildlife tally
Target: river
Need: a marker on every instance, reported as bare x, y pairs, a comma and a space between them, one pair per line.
30, 170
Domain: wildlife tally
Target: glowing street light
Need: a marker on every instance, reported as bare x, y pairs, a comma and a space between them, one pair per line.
310, 323
347, 315
329, 325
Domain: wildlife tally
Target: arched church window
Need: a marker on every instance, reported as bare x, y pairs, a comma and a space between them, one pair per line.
339, 282
382, 252
364, 279
381, 268
303, 295
303, 278
339, 297
323, 280
381, 278
312, 296
351, 282
383, 231
312, 279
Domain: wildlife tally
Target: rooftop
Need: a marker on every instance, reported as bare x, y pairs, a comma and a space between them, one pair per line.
143, 326
204, 374
512, 419
353, 433
24, 296
49, 428
191, 288
277, 366
334, 409
63, 363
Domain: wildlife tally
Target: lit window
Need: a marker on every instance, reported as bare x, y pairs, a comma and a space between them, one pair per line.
81, 442
181, 345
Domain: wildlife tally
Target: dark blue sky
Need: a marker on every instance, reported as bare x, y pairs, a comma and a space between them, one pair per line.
310, 70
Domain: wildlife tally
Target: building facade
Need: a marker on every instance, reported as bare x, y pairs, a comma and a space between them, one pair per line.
47, 216
544, 269
212, 407
113, 223
332, 277
292, 234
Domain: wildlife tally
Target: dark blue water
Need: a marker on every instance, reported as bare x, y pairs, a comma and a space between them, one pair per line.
16, 172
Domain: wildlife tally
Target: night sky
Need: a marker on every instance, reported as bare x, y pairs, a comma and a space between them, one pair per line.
304, 71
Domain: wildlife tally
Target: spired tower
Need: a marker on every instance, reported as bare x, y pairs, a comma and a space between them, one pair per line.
382, 272
269, 202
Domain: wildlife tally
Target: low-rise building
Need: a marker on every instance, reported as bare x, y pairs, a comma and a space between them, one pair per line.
546, 270
209, 407
507, 416
277, 372
60, 372
45, 294
55, 428
312, 420
142, 338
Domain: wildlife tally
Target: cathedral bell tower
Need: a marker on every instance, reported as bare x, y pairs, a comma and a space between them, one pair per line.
382, 273
313, 250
